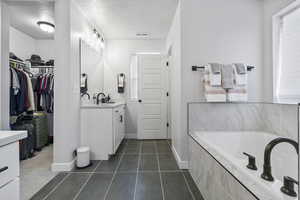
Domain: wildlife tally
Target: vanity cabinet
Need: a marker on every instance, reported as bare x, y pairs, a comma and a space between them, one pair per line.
119, 126
10, 164
102, 129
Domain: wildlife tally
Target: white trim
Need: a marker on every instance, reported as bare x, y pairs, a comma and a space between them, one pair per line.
131, 135
59, 167
181, 164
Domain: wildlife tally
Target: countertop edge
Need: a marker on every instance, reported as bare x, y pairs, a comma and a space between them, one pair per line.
106, 106
11, 137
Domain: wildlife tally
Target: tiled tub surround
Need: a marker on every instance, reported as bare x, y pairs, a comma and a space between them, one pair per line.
278, 119
217, 161
212, 126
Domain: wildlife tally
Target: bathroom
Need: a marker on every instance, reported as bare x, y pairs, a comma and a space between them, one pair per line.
141, 110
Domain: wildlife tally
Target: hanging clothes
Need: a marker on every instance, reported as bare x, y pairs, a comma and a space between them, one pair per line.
21, 92
44, 92
30, 94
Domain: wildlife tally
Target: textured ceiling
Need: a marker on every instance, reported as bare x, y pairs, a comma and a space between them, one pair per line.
25, 14
123, 19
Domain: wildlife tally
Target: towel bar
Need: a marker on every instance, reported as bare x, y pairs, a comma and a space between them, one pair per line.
195, 68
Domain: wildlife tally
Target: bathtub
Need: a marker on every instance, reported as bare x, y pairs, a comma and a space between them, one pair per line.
226, 150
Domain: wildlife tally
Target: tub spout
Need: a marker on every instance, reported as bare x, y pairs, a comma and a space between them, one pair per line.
267, 171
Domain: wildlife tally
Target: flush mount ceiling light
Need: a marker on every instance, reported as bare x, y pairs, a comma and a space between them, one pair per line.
46, 26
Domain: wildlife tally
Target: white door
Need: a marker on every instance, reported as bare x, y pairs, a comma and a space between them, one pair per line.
152, 117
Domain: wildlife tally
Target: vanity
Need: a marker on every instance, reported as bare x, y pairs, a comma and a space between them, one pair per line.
10, 164
102, 128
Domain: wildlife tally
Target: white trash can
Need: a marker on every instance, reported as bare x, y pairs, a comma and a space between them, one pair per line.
83, 157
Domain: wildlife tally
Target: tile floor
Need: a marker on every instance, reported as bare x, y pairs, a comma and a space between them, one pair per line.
141, 170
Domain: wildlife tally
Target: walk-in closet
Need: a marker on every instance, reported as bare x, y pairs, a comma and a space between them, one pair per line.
31, 65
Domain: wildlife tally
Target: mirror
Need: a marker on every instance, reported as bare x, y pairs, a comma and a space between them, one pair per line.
92, 71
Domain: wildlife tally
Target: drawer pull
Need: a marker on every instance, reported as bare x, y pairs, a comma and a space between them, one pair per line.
3, 169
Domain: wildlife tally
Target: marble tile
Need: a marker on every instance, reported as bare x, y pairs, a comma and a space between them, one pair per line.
225, 117
212, 179
278, 119
289, 121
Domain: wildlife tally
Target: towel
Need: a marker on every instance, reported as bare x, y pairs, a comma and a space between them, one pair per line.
241, 79
227, 77
213, 93
214, 73
238, 94
215, 68
240, 68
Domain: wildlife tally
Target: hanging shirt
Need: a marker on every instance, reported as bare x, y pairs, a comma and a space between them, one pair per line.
30, 95
15, 83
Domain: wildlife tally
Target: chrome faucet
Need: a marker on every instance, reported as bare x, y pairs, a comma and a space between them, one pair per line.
267, 172
98, 95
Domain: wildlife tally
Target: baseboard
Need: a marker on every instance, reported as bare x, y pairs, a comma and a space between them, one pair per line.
181, 164
131, 135
63, 167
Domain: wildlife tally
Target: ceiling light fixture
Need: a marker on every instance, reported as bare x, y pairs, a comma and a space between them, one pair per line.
46, 26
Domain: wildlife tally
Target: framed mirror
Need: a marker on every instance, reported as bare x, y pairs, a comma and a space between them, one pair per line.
92, 71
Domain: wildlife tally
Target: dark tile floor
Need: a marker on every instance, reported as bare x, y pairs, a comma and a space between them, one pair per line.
141, 170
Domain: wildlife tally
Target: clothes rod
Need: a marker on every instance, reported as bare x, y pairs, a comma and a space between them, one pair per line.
41, 67
16, 61
195, 68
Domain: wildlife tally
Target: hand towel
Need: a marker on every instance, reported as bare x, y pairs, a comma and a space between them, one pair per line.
240, 68
215, 78
238, 94
213, 93
241, 79
215, 68
227, 77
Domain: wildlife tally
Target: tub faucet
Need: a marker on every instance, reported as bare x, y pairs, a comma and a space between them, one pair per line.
267, 172
98, 95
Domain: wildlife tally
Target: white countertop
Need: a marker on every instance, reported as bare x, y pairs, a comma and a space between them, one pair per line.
7, 137
102, 105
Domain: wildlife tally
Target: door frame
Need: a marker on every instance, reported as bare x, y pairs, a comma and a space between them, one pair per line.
164, 97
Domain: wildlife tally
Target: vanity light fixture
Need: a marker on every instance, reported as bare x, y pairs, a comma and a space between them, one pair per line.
102, 43
99, 37
46, 26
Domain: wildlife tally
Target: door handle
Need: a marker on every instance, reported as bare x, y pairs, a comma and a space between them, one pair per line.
3, 169
140, 100
121, 118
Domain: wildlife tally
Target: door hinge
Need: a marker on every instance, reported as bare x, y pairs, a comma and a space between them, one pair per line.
167, 63
167, 94
167, 124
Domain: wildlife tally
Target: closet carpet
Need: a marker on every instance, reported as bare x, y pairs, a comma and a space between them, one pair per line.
36, 172
141, 170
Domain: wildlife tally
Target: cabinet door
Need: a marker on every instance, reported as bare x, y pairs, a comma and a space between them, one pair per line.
9, 163
11, 191
116, 135
122, 123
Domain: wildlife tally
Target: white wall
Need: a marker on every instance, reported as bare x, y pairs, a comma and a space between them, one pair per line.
271, 8
4, 69
45, 48
217, 31
71, 26
21, 44
173, 46
117, 60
